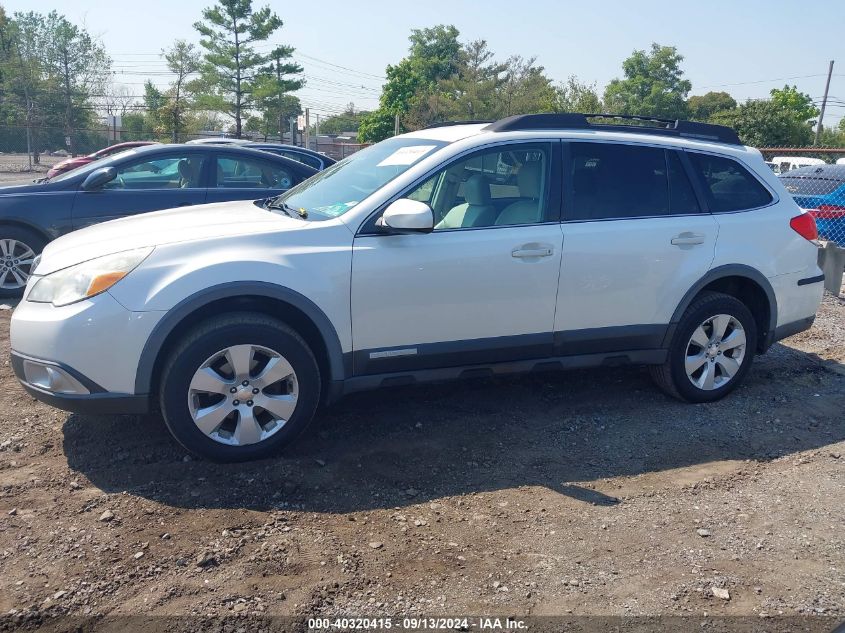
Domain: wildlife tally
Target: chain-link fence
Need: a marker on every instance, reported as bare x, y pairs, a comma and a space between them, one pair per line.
35, 148
816, 179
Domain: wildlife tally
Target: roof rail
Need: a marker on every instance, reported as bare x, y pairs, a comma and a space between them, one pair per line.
451, 123
581, 121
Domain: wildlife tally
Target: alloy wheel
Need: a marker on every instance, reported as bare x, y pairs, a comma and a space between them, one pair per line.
243, 394
16, 259
715, 352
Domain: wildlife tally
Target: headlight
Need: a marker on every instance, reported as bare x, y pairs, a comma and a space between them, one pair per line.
86, 279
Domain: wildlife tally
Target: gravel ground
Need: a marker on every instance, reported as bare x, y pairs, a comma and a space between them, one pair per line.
14, 169
578, 493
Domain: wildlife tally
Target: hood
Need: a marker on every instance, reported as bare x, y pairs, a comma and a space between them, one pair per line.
202, 222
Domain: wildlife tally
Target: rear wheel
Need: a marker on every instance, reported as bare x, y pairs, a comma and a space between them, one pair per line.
241, 386
711, 350
18, 249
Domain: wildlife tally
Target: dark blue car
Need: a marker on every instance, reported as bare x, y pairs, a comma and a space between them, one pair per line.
821, 190
142, 179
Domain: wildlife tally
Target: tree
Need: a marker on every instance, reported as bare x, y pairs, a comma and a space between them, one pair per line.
471, 91
337, 124
653, 85
765, 124
78, 63
117, 100
702, 107
434, 55
231, 65
183, 61
272, 90
154, 103
574, 96
798, 104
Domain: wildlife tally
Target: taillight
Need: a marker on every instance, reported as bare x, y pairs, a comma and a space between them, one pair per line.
828, 211
805, 226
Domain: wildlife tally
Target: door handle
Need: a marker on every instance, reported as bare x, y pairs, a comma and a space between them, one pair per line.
688, 239
531, 252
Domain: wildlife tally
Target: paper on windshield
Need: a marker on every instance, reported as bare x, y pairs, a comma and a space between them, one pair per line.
406, 155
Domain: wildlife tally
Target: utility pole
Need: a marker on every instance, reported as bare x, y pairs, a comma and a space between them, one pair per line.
396, 126
293, 130
307, 128
29, 132
824, 103
317, 134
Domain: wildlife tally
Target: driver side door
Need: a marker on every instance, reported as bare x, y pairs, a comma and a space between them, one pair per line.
144, 184
482, 286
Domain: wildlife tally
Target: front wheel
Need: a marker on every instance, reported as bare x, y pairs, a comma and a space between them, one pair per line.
18, 249
711, 350
239, 387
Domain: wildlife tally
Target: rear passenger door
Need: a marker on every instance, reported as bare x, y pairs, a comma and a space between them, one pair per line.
635, 240
249, 178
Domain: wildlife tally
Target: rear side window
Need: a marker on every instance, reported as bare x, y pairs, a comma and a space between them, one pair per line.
618, 181
728, 185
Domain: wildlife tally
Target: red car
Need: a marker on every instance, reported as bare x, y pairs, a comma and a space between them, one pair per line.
79, 161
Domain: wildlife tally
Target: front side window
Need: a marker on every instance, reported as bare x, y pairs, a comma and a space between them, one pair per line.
496, 187
251, 173
728, 185
169, 172
336, 190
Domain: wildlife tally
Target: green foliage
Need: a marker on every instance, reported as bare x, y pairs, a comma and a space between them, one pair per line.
653, 85
765, 124
349, 121
183, 61
574, 96
702, 107
376, 126
232, 69
49, 68
443, 80
799, 104
272, 88
434, 55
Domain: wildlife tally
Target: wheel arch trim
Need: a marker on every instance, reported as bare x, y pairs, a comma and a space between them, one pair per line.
171, 320
722, 272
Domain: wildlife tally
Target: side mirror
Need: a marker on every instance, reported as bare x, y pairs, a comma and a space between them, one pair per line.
99, 177
407, 216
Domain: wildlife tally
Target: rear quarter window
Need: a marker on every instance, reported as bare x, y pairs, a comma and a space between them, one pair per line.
728, 185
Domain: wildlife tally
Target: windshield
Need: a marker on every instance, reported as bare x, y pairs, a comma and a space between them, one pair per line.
332, 192
85, 169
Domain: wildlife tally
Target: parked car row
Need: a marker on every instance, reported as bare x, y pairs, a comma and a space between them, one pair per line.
136, 180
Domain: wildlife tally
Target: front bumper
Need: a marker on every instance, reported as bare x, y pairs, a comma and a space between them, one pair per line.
65, 388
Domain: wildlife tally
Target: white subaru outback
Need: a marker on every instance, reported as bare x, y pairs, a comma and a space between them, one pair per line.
532, 243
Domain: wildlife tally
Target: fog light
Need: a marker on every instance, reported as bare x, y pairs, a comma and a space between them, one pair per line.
52, 378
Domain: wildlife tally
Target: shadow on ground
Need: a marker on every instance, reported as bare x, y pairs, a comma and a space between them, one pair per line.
407, 445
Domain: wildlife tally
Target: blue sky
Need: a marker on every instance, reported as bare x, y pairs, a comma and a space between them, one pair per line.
745, 47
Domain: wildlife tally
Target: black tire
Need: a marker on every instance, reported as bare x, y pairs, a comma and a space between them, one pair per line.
672, 377
23, 236
209, 338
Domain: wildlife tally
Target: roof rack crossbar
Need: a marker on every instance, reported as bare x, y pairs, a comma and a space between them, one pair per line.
581, 121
